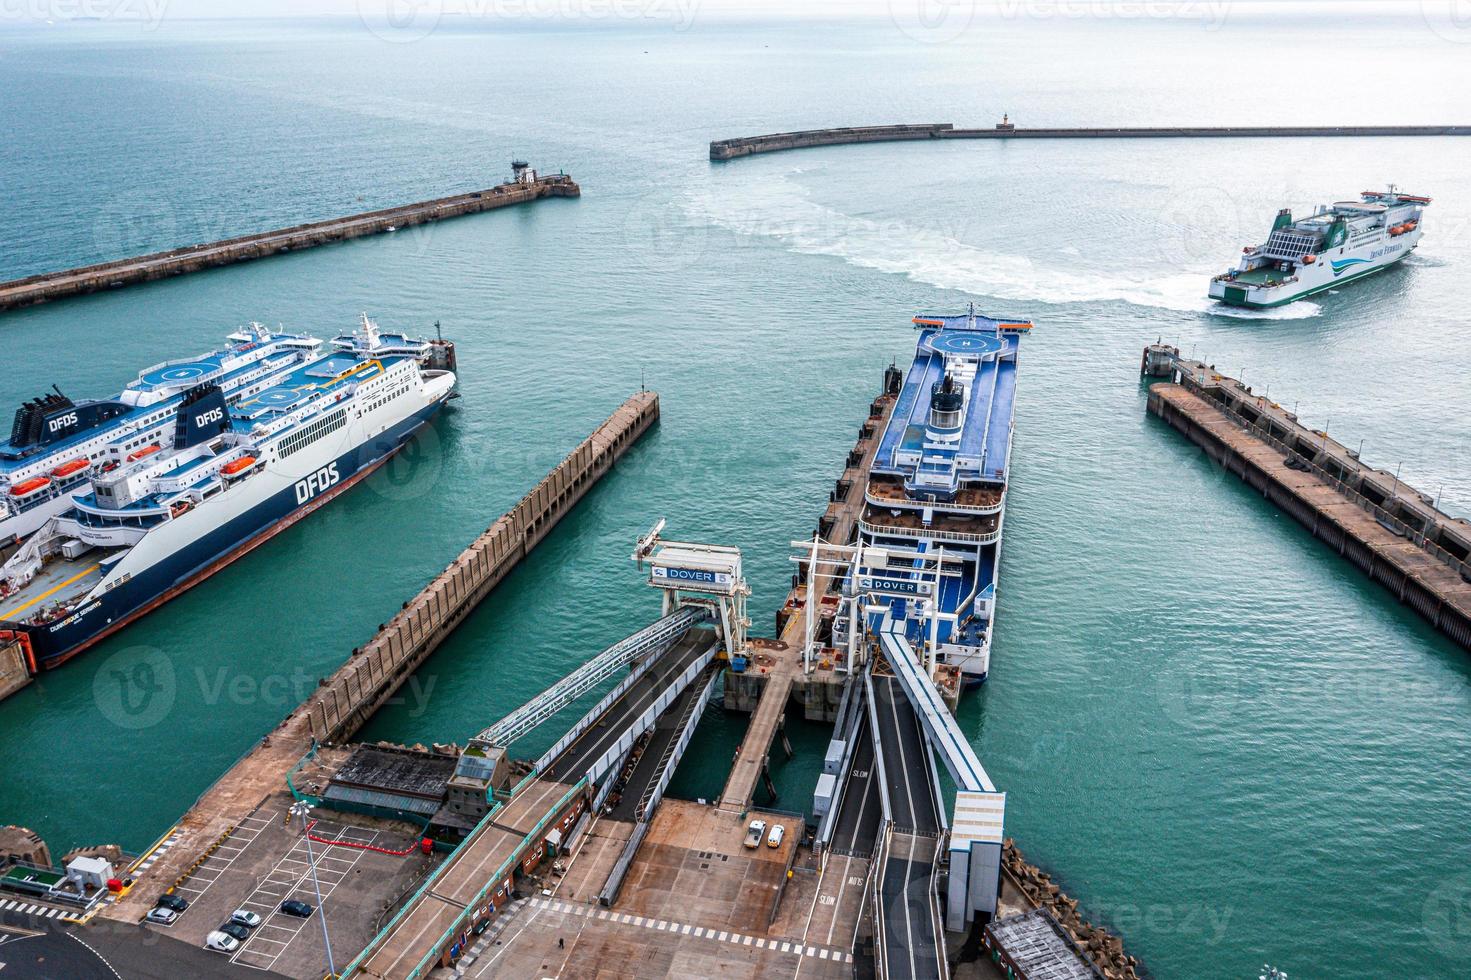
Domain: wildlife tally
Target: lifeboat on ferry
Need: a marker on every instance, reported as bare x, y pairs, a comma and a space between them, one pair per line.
146, 451
179, 508
238, 466
1248, 249
1309, 259
31, 487
71, 467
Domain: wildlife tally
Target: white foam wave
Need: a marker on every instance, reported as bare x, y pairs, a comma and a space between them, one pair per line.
778, 209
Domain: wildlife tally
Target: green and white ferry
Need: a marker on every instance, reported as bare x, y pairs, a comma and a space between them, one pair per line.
1336, 244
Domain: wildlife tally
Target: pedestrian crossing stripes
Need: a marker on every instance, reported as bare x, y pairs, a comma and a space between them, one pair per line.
698, 932
40, 911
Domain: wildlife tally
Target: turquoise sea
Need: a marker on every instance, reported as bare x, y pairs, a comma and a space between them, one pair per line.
1220, 738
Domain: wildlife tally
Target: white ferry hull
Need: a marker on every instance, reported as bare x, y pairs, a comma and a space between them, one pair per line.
1323, 275
183, 552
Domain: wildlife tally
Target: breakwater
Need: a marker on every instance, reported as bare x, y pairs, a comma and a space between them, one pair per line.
162, 265
729, 149
373, 673
1393, 533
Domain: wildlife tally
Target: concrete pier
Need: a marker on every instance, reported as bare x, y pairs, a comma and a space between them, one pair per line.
1391, 532
728, 149
161, 265
374, 672
776, 670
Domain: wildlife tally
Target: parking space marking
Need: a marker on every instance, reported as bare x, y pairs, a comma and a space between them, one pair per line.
249, 954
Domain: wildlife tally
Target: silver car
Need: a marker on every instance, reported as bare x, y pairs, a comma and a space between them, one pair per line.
245, 918
162, 915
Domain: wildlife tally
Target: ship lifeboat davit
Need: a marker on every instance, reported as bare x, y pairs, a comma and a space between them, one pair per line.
238, 466
138, 454
179, 508
1309, 259
71, 467
31, 487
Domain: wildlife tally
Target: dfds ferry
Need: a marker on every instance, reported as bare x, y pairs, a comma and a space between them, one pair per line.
1334, 245
57, 446
938, 481
230, 476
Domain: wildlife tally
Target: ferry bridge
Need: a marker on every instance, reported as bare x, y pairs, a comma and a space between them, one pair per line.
669, 670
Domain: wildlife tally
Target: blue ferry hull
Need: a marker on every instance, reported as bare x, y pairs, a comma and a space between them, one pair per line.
58, 642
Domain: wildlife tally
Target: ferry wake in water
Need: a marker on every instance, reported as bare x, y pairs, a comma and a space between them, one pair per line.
245, 442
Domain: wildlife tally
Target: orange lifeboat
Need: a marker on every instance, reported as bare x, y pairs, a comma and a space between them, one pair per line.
71, 466
236, 466
179, 508
1309, 259
136, 455
27, 488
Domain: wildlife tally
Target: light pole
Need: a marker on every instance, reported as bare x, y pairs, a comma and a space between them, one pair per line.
300, 809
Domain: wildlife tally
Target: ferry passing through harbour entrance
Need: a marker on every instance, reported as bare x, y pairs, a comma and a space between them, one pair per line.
937, 487
228, 476
1334, 245
58, 446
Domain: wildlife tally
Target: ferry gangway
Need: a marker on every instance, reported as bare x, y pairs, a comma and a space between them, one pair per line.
653, 639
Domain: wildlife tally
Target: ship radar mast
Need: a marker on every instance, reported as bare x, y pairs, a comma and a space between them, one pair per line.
370, 331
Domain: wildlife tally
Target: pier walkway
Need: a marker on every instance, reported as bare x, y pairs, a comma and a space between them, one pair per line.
729, 149
839, 523
160, 265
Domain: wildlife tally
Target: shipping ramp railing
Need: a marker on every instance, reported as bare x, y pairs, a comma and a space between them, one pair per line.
655, 638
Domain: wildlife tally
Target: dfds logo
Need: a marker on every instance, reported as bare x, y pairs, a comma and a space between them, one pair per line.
316, 483
213, 415
62, 421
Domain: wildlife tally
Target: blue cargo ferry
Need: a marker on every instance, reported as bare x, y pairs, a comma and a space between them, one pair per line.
938, 482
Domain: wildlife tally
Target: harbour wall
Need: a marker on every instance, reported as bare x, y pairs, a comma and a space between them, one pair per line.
373, 673
14, 668
1391, 532
728, 149
161, 265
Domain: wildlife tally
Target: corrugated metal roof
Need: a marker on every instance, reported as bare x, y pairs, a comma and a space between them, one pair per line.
386, 801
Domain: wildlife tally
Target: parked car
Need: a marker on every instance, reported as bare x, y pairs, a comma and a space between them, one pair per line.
299, 909
245, 918
172, 902
774, 838
755, 832
235, 931
221, 943
162, 915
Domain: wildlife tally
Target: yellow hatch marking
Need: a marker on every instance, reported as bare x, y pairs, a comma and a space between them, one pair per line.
51, 591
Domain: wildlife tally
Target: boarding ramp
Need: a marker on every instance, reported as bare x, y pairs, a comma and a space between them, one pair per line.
908, 931
976, 827
482, 870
